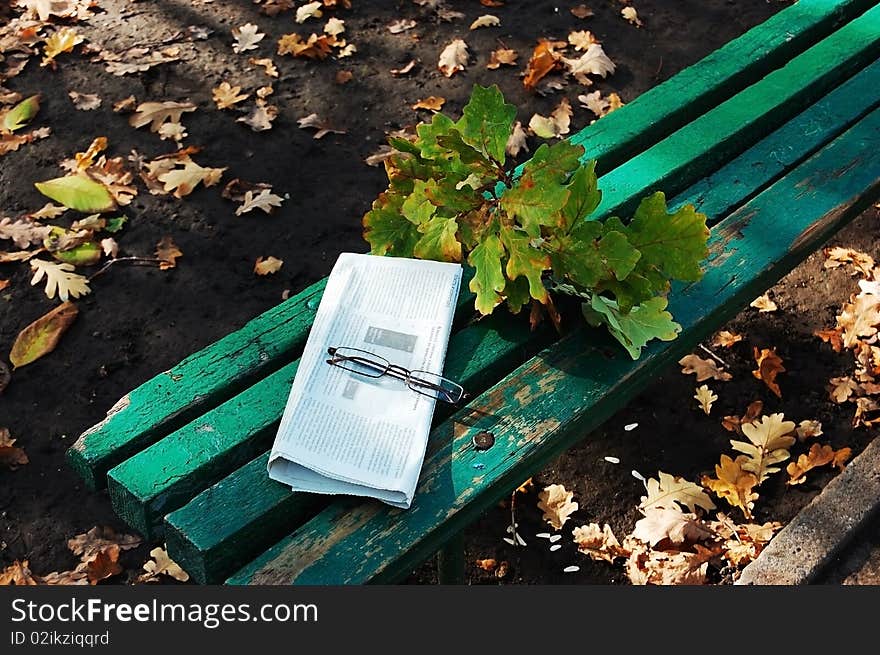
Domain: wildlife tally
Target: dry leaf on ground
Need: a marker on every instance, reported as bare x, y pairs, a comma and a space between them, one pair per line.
246, 38
226, 95
431, 103
581, 11
557, 125
502, 57
517, 141
453, 58
818, 455
670, 491
486, 20
556, 504
487, 564
842, 388
545, 58
265, 200
18, 573
11, 456
862, 262
734, 423
662, 523
60, 278
187, 175
631, 15
261, 116
594, 61
769, 441
267, 64
401, 25
599, 105
734, 484
764, 304
100, 538
84, 101
167, 253
161, 564
705, 396
726, 339
268, 265
156, 113
42, 336
704, 369
322, 126
808, 428
769, 366
582, 39
645, 566
598, 543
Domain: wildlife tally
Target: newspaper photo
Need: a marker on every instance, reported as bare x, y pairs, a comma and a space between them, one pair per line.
362, 432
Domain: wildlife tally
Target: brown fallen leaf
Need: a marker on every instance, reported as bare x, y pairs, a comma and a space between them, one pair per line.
227, 96
598, 543
104, 564
11, 456
267, 64
42, 336
314, 47
267, 266
859, 318
261, 116
486, 20
768, 442
453, 58
431, 103
156, 113
842, 388
502, 569
343, 77
397, 72
98, 539
19, 574
764, 304
246, 38
646, 566
84, 101
704, 369
167, 252
502, 57
162, 564
556, 504
669, 490
487, 564
582, 39
322, 126
734, 423
517, 140
662, 523
726, 339
734, 484
186, 175
808, 428
401, 25
265, 200
126, 105
769, 366
631, 15
862, 262
545, 58
818, 455
581, 11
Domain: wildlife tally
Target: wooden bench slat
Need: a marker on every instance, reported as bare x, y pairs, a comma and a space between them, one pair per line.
705, 143
202, 546
203, 379
665, 108
557, 397
721, 192
217, 372
166, 475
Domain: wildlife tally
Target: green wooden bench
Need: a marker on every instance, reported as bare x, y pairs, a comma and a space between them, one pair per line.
775, 136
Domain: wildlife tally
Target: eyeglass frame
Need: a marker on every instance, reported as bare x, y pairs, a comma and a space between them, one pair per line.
398, 372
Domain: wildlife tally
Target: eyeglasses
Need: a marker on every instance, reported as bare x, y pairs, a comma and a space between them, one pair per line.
371, 365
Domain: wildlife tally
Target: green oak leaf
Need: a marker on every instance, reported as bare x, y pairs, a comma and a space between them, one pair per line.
486, 122
584, 196
488, 281
617, 254
453, 194
630, 292
540, 193
386, 230
429, 147
588, 257
438, 241
635, 329
404, 145
516, 292
525, 261
674, 243
417, 207
115, 224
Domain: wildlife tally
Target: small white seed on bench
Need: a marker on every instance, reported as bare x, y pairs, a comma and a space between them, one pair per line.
509, 541
555, 538
571, 569
555, 547
612, 460
637, 475
631, 426
543, 535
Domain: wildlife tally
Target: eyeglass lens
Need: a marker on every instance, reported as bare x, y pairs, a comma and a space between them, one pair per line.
360, 362
435, 386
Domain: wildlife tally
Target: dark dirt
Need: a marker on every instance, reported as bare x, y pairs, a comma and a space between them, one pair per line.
140, 321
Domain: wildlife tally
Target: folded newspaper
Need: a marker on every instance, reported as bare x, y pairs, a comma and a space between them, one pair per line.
347, 433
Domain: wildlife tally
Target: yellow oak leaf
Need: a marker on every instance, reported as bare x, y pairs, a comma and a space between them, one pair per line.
11, 456
432, 103
156, 113
705, 396
859, 318
183, 180
662, 523
227, 96
582, 39
64, 40
726, 339
60, 278
502, 57
862, 262
268, 265
669, 490
769, 441
764, 304
161, 564
486, 20
808, 428
19, 574
555, 501
734, 484
101, 538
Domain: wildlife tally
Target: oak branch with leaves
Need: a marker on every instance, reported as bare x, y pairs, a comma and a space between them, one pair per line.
450, 198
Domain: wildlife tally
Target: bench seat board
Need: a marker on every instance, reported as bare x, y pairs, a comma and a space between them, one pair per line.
557, 397
697, 148
215, 373
198, 542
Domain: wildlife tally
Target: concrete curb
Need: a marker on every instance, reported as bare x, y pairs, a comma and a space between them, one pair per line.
821, 529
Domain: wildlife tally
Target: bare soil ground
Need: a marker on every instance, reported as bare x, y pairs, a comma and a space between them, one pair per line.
140, 321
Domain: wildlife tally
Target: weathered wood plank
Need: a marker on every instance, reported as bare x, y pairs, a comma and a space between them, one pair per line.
712, 139
209, 547
667, 107
744, 177
199, 382
569, 389
164, 476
